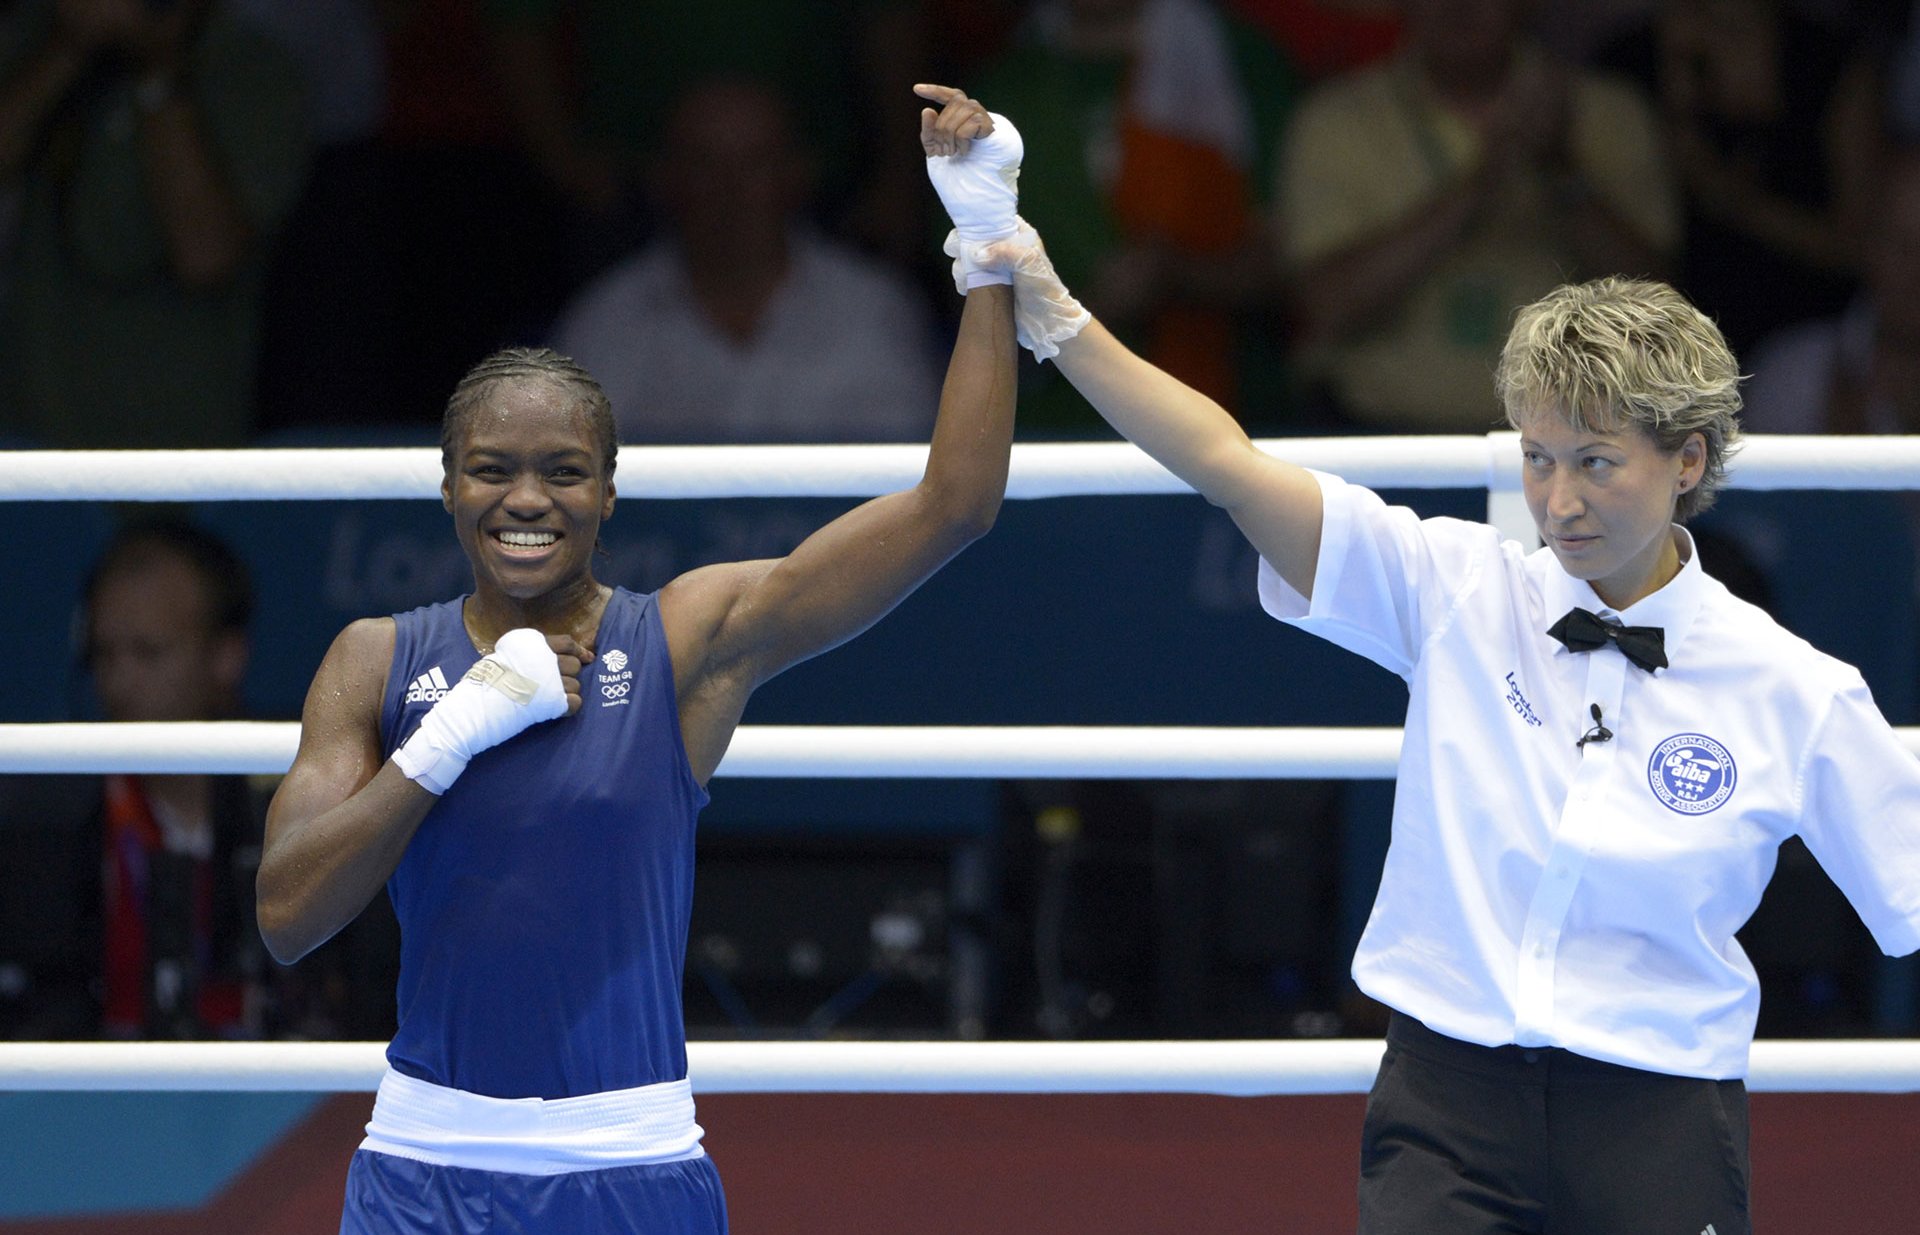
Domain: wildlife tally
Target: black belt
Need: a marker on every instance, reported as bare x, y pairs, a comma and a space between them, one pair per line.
1524, 1065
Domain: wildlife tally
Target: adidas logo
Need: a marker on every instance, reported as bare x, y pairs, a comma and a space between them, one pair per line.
429, 687
1709, 1230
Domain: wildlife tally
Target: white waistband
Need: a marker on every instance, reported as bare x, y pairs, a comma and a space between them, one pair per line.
533, 1136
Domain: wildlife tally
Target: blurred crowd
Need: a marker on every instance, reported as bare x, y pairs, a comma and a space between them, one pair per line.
228, 222
233, 221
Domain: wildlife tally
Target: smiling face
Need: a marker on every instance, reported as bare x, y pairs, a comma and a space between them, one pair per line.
527, 488
1604, 502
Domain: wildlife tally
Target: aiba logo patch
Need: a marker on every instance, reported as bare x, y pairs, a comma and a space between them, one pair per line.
1691, 773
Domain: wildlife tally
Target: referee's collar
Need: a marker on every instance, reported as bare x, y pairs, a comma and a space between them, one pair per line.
1672, 607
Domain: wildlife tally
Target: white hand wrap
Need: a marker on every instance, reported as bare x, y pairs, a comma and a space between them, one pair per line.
1045, 314
517, 686
980, 190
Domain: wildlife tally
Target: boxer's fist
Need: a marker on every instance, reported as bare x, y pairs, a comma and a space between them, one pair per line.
517, 685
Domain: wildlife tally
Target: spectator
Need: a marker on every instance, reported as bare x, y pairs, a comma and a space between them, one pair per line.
592, 122
126, 901
157, 149
743, 324
1424, 200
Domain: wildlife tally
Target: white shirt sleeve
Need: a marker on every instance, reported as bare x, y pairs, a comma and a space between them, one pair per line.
1386, 581
1861, 817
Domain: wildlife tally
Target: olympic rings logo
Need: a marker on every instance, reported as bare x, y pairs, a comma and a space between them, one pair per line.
615, 690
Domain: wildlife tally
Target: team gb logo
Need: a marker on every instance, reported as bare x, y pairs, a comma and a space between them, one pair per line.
616, 680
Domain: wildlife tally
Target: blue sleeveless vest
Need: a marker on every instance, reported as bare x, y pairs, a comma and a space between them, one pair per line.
543, 902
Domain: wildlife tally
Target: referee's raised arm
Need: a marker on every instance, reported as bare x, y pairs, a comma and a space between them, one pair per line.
1275, 504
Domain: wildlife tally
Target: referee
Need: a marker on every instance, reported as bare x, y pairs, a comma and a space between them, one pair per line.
1604, 751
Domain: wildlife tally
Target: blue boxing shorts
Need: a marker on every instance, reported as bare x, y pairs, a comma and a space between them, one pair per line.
440, 1160
387, 1195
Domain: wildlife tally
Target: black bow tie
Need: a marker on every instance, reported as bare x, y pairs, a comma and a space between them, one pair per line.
1581, 631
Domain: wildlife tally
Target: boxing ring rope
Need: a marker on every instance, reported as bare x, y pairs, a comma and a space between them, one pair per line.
1229, 1068
1039, 470
1033, 752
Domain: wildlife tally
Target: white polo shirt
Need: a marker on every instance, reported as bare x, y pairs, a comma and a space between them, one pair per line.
1541, 894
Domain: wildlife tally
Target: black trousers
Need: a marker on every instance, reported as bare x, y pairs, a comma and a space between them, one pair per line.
1476, 1140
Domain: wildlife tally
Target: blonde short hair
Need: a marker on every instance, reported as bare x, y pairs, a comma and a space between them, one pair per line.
1616, 352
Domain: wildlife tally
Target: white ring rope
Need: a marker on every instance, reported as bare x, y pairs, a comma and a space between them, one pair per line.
1039, 469
1234, 1068
917, 751
1129, 752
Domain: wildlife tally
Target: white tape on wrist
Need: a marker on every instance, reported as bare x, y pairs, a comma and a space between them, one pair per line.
423, 760
980, 189
507, 691
970, 269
